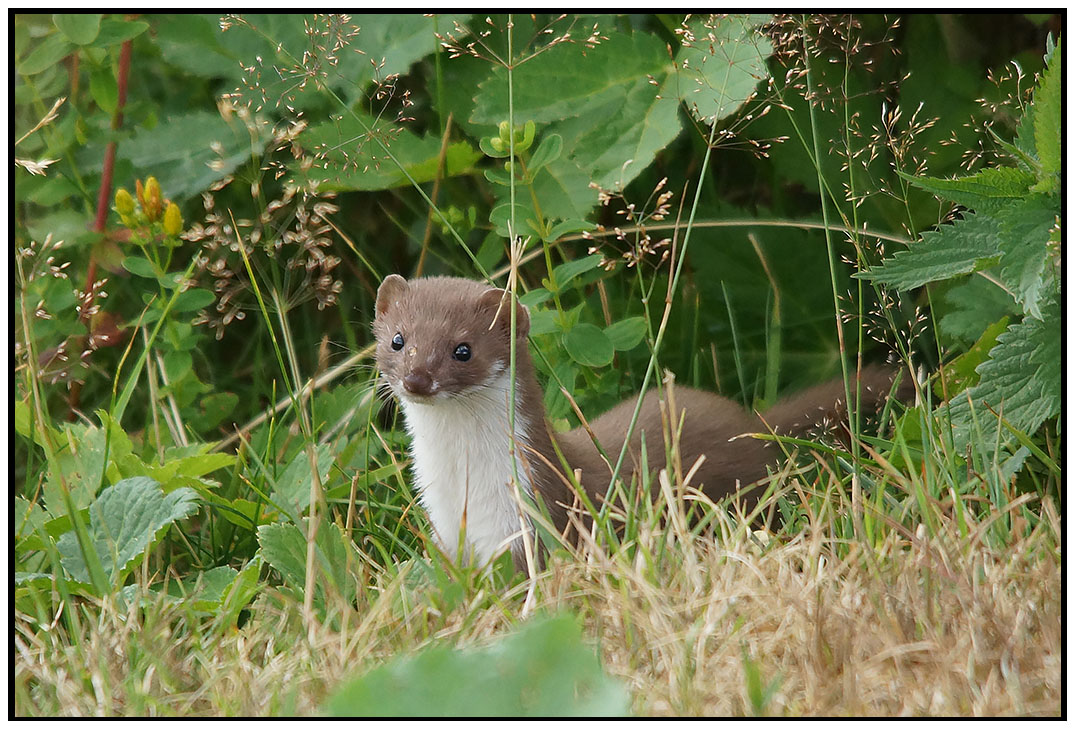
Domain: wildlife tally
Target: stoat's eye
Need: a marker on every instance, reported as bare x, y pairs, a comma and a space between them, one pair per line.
397, 342
462, 352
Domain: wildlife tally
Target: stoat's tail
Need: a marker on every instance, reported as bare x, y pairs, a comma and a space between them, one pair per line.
823, 405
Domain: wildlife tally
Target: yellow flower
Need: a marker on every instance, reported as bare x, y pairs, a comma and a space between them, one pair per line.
151, 205
173, 220
124, 203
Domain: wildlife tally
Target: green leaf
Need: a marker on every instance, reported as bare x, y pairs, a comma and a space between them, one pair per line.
606, 107
588, 345
49, 53
721, 63
81, 459
125, 520
949, 251
103, 88
562, 82
969, 308
1046, 110
283, 546
542, 669
140, 266
616, 141
293, 486
550, 149
569, 270
627, 333
1027, 267
116, 31
183, 170
193, 299
355, 160
79, 28
983, 191
535, 297
1020, 381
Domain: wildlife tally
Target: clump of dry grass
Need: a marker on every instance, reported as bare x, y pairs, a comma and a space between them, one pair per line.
941, 625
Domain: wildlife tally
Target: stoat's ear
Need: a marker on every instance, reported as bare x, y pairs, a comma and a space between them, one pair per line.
391, 290
497, 301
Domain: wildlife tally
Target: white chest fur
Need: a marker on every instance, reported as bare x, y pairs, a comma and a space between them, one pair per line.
463, 466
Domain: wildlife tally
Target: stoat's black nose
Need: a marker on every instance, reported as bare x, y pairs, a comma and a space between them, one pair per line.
418, 382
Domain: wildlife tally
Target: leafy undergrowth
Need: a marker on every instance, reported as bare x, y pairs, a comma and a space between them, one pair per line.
940, 625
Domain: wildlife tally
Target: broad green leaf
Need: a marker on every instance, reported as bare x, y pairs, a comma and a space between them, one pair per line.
193, 42
125, 520
949, 251
720, 64
984, 190
47, 54
542, 669
79, 28
563, 82
81, 457
619, 139
183, 170
1020, 381
1027, 268
1046, 110
588, 345
354, 158
293, 486
543, 322
283, 546
627, 333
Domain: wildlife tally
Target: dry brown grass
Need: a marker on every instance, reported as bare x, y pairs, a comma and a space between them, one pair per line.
938, 626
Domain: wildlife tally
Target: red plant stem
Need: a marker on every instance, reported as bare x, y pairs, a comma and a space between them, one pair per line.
104, 195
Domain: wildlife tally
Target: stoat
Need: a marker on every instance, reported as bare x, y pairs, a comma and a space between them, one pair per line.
443, 349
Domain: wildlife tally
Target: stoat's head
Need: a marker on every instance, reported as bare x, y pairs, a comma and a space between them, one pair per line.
441, 336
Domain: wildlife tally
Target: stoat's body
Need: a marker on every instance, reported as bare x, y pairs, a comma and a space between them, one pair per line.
443, 347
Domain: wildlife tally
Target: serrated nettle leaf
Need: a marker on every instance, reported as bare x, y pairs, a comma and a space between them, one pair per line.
1046, 109
951, 250
81, 458
79, 28
541, 669
1027, 268
1020, 381
721, 62
970, 306
125, 520
588, 345
627, 333
983, 190
961, 373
